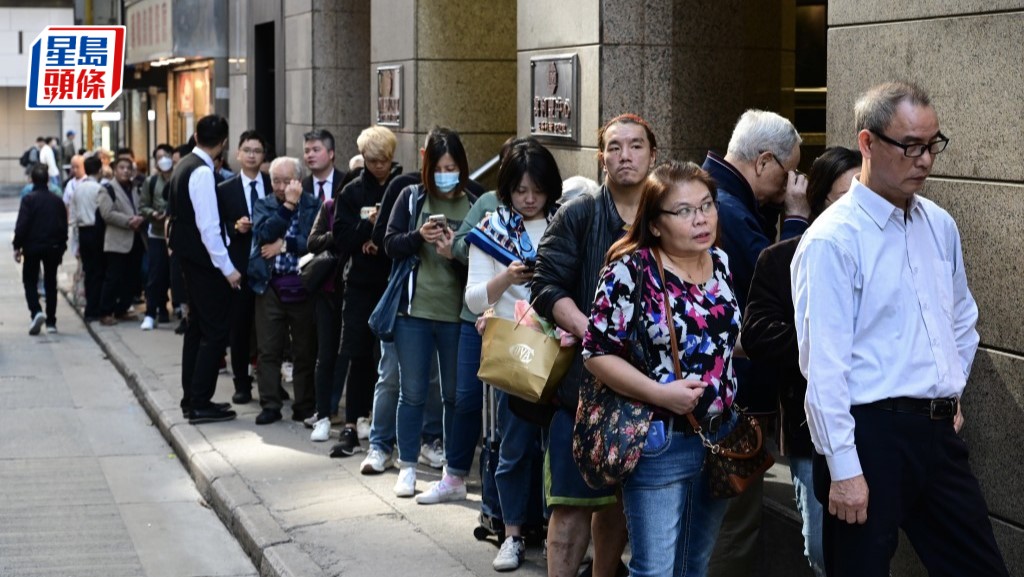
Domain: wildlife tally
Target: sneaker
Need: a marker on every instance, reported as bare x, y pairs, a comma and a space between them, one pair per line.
148, 324
321, 431
405, 486
51, 329
443, 491
287, 369
511, 554
432, 454
312, 421
37, 324
376, 462
348, 443
363, 428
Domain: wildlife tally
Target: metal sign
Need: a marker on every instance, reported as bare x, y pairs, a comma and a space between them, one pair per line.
554, 89
389, 95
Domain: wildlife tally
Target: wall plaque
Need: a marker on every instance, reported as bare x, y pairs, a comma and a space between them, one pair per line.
554, 84
389, 95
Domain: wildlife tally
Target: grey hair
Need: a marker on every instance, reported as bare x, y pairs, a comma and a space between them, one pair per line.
875, 108
759, 131
283, 160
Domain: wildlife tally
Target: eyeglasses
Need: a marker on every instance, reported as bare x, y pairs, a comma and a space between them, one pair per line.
252, 151
687, 212
915, 150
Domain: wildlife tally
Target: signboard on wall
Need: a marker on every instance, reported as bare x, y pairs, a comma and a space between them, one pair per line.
150, 26
389, 95
554, 84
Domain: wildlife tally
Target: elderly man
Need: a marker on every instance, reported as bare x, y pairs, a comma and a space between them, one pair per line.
281, 225
757, 171
122, 244
888, 267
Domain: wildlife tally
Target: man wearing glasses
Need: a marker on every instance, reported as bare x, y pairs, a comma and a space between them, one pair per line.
757, 172
885, 326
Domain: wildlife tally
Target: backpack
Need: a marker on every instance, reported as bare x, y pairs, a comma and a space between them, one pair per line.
26, 157
99, 219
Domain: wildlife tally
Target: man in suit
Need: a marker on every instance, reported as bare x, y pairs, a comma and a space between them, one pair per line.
324, 180
196, 238
236, 198
122, 244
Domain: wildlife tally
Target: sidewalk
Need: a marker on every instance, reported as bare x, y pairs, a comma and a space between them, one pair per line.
88, 487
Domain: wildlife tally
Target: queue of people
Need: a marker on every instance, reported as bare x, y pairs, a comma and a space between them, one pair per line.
705, 269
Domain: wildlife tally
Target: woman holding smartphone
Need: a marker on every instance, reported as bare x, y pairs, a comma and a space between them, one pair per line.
427, 327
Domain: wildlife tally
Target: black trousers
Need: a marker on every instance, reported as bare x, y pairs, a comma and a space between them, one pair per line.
360, 350
159, 279
90, 248
919, 480
243, 317
50, 259
120, 278
179, 294
329, 380
275, 321
207, 336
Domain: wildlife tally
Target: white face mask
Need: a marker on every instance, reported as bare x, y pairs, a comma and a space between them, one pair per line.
165, 164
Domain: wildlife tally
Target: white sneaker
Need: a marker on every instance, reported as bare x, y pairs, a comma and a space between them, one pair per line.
405, 486
443, 491
148, 324
37, 324
376, 462
363, 428
51, 330
432, 454
321, 431
511, 554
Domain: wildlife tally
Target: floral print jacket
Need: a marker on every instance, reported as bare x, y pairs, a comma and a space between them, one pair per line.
706, 319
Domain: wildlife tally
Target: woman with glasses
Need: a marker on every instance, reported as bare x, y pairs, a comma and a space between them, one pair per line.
422, 225
769, 337
673, 520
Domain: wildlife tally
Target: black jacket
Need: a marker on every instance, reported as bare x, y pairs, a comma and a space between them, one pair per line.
391, 195
321, 238
769, 338
569, 261
42, 223
370, 271
232, 205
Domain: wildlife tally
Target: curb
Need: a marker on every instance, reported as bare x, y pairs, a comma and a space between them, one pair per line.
271, 550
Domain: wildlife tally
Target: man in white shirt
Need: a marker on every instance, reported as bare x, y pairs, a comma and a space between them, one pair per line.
885, 325
88, 234
47, 157
195, 237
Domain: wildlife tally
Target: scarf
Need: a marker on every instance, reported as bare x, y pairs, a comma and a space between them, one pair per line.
502, 235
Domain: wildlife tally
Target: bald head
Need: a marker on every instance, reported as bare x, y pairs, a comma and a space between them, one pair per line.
78, 166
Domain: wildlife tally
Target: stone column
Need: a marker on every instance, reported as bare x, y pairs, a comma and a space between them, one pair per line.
458, 70
968, 56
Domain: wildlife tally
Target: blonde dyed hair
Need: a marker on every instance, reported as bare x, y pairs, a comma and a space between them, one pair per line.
377, 142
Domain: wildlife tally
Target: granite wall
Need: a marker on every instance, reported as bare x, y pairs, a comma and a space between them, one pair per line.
968, 55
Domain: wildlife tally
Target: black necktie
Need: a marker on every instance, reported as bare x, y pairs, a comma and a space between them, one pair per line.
253, 197
322, 197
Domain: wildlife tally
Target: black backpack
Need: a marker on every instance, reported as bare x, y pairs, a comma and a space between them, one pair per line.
26, 157
99, 219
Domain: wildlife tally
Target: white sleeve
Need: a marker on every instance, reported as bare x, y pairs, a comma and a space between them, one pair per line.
203, 193
481, 271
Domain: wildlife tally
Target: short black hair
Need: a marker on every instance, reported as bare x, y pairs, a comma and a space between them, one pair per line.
164, 147
527, 156
40, 139
121, 159
125, 151
211, 130
40, 176
93, 165
832, 164
252, 135
321, 134
184, 150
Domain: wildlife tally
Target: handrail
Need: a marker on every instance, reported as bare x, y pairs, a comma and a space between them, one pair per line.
485, 167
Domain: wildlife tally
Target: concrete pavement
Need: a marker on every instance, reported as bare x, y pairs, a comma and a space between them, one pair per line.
87, 484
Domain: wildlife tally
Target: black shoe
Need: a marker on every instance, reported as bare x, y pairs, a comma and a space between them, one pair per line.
211, 414
241, 397
347, 445
182, 327
219, 406
301, 415
268, 416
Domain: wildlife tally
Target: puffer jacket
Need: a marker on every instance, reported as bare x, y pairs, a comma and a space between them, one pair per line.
570, 257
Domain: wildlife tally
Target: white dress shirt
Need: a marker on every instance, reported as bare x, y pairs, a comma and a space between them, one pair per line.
328, 186
882, 310
202, 191
260, 192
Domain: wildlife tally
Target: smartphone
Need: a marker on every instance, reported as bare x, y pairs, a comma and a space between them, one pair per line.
439, 219
530, 263
365, 212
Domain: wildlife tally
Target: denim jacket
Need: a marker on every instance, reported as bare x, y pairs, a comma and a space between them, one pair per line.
270, 223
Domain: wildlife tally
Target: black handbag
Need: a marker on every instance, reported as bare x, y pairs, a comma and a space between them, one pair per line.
316, 270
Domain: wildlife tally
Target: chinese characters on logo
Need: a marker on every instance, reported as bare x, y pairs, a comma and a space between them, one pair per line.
76, 67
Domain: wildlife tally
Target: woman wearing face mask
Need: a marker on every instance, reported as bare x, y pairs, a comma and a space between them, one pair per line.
422, 224
769, 336
153, 206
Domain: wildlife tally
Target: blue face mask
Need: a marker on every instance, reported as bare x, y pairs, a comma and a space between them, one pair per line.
446, 181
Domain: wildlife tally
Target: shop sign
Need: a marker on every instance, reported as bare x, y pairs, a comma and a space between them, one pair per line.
389, 95
554, 94
150, 30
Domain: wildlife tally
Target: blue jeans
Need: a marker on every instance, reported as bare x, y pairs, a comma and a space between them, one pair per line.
419, 342
520, 447
385, 403
469, 404
672, 518
810, 510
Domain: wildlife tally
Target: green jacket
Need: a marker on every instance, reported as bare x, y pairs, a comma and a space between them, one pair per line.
153, 202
